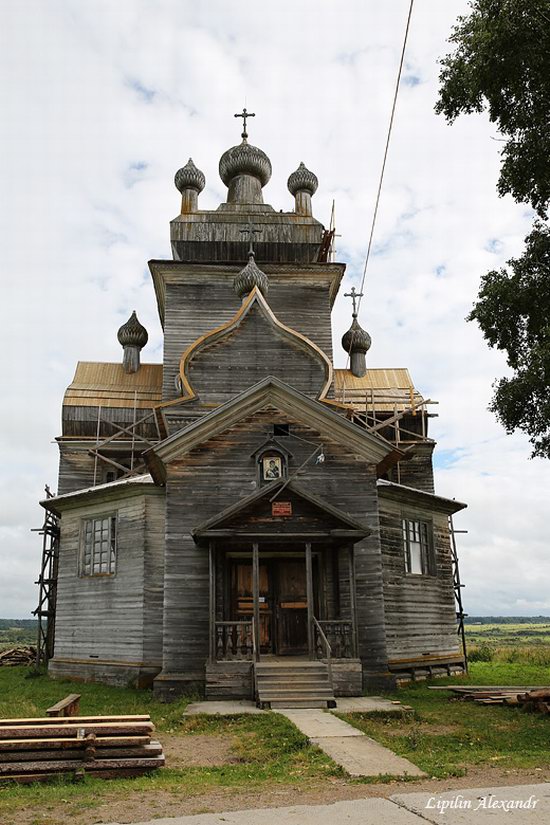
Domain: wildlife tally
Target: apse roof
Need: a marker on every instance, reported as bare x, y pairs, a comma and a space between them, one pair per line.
98, 383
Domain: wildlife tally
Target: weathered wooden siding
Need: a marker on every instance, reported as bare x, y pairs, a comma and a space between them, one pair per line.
196, 308
108, 620
219, 473
254, 349
419, 609
418, 471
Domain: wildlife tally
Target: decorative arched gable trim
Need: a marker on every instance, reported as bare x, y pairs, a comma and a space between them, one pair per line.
216, 334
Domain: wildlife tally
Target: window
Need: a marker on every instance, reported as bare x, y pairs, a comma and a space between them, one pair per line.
417, 546
281, 429
99, 550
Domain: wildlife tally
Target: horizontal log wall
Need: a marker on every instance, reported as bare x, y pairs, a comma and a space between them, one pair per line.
103, 618
419, 609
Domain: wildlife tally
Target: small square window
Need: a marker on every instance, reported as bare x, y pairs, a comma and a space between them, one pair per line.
418, 547
98, 557
281, 429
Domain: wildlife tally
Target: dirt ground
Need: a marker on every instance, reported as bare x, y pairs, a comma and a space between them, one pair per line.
141, 805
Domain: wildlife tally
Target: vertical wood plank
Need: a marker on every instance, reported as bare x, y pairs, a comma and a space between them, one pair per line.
351, 561
256, 594
309, 585
212, 600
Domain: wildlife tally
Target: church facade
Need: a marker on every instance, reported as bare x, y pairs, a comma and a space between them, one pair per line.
245, 520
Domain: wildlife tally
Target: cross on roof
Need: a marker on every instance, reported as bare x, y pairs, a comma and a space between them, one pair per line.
355, 298
251, 231
244, 114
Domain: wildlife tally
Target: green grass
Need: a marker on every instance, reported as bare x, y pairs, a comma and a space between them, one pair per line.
269, 749
526, 642
445, 737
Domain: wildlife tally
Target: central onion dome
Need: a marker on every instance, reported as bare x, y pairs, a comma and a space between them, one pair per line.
249, 277
356, 341
245, 159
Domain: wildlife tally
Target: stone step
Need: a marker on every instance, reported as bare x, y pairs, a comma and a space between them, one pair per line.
290, 690
291, 703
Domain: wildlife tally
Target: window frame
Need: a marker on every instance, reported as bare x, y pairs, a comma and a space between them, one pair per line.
427, 550
112, 518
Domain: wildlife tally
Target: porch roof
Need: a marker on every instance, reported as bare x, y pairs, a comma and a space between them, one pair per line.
317, 519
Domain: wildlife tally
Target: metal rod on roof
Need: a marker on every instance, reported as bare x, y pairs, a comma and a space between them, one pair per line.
97, 442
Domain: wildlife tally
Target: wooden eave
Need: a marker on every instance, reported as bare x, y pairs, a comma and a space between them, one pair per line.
165, 272
412, 496
110, 492
270, 391
350, 527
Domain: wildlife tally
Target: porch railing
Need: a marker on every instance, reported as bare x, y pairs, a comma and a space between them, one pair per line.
323, 649
341, 637
234, 641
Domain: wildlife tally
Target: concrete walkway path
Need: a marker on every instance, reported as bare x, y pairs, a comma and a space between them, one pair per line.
356, 753
471, 807
344, 704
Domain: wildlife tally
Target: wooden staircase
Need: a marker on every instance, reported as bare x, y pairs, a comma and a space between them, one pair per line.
293, 684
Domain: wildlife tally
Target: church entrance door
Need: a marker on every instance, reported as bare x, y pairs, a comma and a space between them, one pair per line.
283, 603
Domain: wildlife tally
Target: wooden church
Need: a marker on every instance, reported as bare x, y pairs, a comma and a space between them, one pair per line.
245, 520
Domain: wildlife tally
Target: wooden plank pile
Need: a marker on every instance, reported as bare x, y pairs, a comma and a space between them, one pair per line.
18, 656
105, 746
535, 699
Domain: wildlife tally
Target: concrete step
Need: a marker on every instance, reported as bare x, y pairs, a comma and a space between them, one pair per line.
290, 690
267, 684
279, 704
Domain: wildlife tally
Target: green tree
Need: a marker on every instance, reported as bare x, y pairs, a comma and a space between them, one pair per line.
501, 65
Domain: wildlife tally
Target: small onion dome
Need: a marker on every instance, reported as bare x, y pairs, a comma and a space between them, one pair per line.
189, 177
132, 333
356, 339
245, 159
249, 277
302, 180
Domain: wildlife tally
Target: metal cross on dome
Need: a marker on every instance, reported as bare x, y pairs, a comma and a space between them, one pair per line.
244, 114
355, 298
251, 231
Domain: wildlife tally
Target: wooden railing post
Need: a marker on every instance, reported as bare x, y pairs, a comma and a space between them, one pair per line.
256, 595
212, 600
309, 590
352, 599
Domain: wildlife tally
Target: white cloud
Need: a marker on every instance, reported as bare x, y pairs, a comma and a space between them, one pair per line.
102, 102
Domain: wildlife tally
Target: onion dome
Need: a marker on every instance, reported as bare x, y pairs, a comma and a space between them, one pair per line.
302, 180
249, 277
356, 339
189, 177
132, 333
245, 159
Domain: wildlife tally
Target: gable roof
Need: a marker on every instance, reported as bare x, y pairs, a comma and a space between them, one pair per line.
135, 485
410, 495
270, 391
220, 524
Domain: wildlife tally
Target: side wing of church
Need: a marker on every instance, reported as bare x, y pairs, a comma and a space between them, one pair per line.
244, 520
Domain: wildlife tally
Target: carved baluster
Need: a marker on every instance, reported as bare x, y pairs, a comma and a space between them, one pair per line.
240, 641
347, 640
219, 643
249, 646
319, 652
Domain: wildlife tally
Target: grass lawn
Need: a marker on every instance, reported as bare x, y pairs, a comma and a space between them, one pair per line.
445, 737
442, 737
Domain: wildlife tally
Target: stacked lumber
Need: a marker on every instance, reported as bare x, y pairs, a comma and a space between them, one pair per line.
104, 746
530, 698
25, 655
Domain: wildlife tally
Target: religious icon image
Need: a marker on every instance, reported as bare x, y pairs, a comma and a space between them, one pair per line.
272, 468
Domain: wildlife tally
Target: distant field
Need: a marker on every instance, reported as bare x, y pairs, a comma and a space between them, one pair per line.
17, 632
527, 642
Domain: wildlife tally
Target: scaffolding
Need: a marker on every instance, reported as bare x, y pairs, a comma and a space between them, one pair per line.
47, 586
457, 586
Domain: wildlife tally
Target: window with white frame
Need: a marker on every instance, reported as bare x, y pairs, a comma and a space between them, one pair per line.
99, 546
417, 547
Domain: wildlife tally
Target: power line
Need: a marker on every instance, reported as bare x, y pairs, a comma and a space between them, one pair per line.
381, 179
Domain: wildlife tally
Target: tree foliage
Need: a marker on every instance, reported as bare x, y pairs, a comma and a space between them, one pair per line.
513, 311
501, 64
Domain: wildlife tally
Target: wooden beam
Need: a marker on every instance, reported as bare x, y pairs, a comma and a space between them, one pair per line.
212, 599
353, 605
256, 594
309, 590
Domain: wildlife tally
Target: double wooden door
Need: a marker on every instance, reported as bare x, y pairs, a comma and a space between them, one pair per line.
283, 603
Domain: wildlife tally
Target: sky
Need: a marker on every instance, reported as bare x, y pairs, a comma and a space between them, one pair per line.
103, 101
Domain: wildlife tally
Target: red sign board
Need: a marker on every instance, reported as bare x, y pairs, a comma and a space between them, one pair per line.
281, 508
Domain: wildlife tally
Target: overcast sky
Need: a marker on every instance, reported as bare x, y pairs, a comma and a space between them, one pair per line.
101, 102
